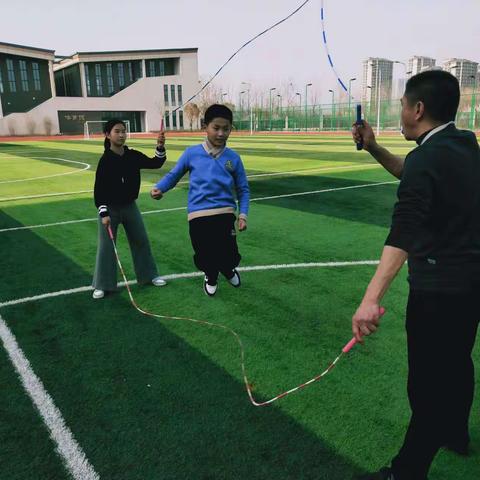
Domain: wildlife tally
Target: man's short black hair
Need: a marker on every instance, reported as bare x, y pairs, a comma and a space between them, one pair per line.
218, 111
438, 90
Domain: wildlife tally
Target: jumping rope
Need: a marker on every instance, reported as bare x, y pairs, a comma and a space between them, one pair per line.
327, 51
238, 51
248, 386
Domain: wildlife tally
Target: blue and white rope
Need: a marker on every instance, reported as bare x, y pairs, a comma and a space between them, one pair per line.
330, 61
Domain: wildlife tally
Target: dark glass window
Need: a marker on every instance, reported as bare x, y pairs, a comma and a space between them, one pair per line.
172, 94
11, 76
98, 79
167, 119
36, 77
121, 75
23, 75
165, 95
111, 89
180, 95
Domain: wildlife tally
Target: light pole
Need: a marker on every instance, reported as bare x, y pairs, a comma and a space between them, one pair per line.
349, 101
271, 90
249, 106
306, 99
279, 101
474, 101
241, 107
333, 109
299, 104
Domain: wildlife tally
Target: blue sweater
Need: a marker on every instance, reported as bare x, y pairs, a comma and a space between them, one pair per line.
212, 181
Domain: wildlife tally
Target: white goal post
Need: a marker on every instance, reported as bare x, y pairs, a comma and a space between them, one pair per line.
94, 128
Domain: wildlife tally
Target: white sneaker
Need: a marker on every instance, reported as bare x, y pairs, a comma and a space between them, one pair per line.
97, 294
159, 282
210, 290
235, 280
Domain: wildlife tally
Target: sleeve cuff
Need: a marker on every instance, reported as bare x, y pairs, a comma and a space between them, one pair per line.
103, 211
243, 216
160, 152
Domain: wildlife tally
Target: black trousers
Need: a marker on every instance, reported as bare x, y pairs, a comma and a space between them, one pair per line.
214, 242
441, 331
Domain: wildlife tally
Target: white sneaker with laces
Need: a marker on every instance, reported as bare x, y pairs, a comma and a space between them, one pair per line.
210, 290
97, 294
159, 282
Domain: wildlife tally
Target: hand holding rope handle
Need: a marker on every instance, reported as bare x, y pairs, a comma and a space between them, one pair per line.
359, 122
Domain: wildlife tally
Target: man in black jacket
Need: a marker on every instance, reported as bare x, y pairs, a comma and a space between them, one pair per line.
436, 226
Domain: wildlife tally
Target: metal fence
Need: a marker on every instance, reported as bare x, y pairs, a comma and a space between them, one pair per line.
340, 116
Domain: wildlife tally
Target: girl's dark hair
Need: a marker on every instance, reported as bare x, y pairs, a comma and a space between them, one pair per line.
217, 111
108, 128
438, 90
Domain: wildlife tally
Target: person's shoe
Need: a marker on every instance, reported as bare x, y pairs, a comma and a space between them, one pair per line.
210, 290
97, 294
159, 282
384, 473
235, 280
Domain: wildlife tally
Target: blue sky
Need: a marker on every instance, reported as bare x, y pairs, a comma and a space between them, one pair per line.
291, 53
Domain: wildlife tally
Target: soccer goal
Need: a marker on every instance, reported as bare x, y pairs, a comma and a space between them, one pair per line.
94, 128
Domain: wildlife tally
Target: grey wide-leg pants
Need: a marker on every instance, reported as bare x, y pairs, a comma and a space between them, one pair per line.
105, 277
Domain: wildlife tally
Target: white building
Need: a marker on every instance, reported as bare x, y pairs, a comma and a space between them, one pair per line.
466, 71
418, 64
377, 80
139, 86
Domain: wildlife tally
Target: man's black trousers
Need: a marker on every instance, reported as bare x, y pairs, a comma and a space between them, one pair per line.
441, 331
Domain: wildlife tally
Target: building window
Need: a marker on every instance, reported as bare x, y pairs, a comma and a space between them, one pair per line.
162, 68
167, 119
1, 83
36, 77
121, 75
130, 72
174, 119
87, 79
11, 76
172, 94
23, 75
151, 68
165, 95
98, 79
180, 118
180, 95
111, 89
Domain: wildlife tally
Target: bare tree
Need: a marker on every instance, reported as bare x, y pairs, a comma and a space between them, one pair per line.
192, 112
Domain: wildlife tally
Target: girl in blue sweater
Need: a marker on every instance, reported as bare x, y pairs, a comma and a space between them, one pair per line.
215, 172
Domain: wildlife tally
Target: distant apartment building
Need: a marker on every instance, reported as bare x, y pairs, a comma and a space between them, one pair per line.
466, 71
419, 64
377, 80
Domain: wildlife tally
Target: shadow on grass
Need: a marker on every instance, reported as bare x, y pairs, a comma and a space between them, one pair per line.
143, 403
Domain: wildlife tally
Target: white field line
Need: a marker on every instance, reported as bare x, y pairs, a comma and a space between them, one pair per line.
175, 276
148, 187
85, 165
149, 212
67, 447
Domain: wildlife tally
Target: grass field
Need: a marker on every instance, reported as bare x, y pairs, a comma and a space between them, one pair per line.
147, 399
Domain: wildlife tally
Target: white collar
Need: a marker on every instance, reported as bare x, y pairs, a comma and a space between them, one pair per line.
436, 130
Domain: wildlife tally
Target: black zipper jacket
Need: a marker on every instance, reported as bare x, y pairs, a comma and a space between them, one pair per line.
117, 180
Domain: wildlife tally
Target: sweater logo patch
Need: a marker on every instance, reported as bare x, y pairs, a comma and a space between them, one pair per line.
229, 165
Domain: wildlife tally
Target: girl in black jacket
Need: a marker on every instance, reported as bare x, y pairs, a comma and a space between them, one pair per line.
117, 184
